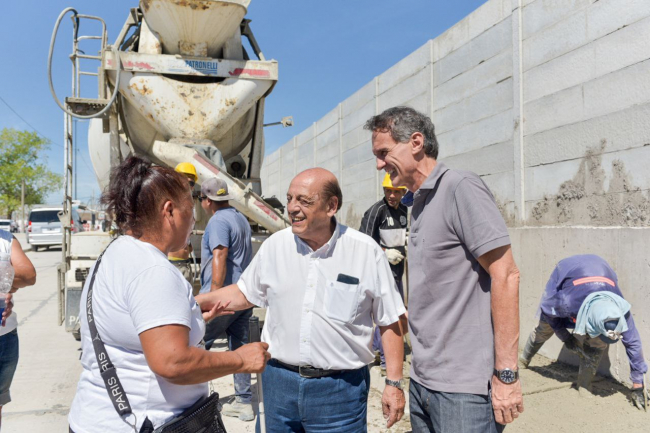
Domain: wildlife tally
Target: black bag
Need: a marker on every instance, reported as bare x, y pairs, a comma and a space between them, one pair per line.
202, 417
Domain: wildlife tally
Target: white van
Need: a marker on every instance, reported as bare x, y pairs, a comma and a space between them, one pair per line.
44, 227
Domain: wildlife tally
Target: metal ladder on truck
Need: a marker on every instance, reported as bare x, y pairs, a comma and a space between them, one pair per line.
84, 108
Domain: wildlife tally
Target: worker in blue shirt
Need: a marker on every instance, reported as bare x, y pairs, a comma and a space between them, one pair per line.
583, 294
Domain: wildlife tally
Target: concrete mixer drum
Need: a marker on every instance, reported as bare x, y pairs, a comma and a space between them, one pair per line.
176, 86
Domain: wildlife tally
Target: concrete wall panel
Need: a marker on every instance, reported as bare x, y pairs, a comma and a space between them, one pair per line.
358, 117
542, 14
487, 45
617, 131
484, 75
418, 84
492, 130
304, 136
610, 53
489, 101
358, 154
552, 42
618, 90
359, 99
496, 158
328, 121
405, 68
607, 16
555, 110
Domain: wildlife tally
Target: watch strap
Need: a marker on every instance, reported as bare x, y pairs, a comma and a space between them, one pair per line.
396, 383
497, 373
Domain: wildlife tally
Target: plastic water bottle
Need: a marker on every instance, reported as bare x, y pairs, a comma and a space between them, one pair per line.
6, 278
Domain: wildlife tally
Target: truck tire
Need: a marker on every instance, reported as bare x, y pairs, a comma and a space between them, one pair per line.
76, 333
35, 248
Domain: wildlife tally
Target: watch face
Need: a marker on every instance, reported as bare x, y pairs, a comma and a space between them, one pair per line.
507, 376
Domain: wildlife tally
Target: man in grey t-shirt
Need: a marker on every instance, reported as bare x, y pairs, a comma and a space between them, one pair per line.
464, 285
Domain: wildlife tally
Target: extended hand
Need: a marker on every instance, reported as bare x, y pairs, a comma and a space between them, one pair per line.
392, 405
507, 401
394, 256
254, 357
9, 306
217, 309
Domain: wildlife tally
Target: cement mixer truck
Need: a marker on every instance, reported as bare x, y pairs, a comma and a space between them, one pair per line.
177, 85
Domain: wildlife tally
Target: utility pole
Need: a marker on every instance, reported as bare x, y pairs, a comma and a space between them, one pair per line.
22, 205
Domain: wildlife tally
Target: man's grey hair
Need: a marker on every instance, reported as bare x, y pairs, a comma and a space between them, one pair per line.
402, 122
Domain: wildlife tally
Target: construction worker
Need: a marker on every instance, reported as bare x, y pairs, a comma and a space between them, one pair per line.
181, 258
226, 251
386, 223
583, 294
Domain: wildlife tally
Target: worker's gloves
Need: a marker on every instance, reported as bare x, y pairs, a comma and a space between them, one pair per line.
574, 346
637, 397
394, 256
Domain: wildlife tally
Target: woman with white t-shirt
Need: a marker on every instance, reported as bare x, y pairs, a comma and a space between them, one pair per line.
144, 310
25, 275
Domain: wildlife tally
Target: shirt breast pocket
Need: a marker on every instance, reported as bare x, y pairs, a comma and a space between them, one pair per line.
341, 301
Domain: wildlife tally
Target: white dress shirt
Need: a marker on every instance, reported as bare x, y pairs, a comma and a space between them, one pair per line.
313, 319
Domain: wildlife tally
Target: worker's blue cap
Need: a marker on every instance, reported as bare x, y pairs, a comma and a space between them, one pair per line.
610, 325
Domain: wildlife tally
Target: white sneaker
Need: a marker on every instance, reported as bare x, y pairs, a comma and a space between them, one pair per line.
243, 411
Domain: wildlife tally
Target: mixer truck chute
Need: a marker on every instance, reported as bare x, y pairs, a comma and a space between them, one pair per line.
176, 86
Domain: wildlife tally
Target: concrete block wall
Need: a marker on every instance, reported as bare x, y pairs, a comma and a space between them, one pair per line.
549, 102
585, 102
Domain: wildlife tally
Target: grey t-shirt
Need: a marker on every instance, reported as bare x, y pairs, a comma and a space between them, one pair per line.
454, 221
230, 229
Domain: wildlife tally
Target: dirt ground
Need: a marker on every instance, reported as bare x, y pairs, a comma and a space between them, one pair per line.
551, 405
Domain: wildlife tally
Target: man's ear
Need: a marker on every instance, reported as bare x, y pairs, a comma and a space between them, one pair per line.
417, 143
332, 206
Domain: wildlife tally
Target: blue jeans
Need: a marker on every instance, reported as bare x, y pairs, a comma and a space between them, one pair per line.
335, 404
8, 363
236, 328
445, 412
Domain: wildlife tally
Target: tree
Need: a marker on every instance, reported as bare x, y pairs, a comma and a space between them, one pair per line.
21, 158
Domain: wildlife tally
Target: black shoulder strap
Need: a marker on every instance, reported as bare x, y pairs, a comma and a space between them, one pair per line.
113, 385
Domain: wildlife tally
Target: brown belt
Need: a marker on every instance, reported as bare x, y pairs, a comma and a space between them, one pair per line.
308, 371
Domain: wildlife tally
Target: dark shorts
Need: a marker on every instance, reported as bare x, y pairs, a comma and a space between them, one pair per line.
8, 363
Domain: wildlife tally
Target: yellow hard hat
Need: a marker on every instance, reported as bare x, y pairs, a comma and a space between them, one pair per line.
388, 184
187, 169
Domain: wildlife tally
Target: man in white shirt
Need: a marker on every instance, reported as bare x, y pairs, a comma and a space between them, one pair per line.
323, 285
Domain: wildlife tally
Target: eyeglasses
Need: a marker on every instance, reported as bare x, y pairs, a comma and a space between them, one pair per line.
192, 183
202, 197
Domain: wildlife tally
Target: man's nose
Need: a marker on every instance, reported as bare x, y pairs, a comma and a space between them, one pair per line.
380, 164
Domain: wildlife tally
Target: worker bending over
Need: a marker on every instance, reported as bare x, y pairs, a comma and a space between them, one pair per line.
583, 294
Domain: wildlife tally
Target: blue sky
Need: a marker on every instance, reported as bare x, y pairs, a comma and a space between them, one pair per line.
326, 51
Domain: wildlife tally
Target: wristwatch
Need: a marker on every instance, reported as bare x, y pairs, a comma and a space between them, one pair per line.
506, 375
399, 384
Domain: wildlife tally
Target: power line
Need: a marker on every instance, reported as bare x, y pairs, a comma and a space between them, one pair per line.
29, 124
